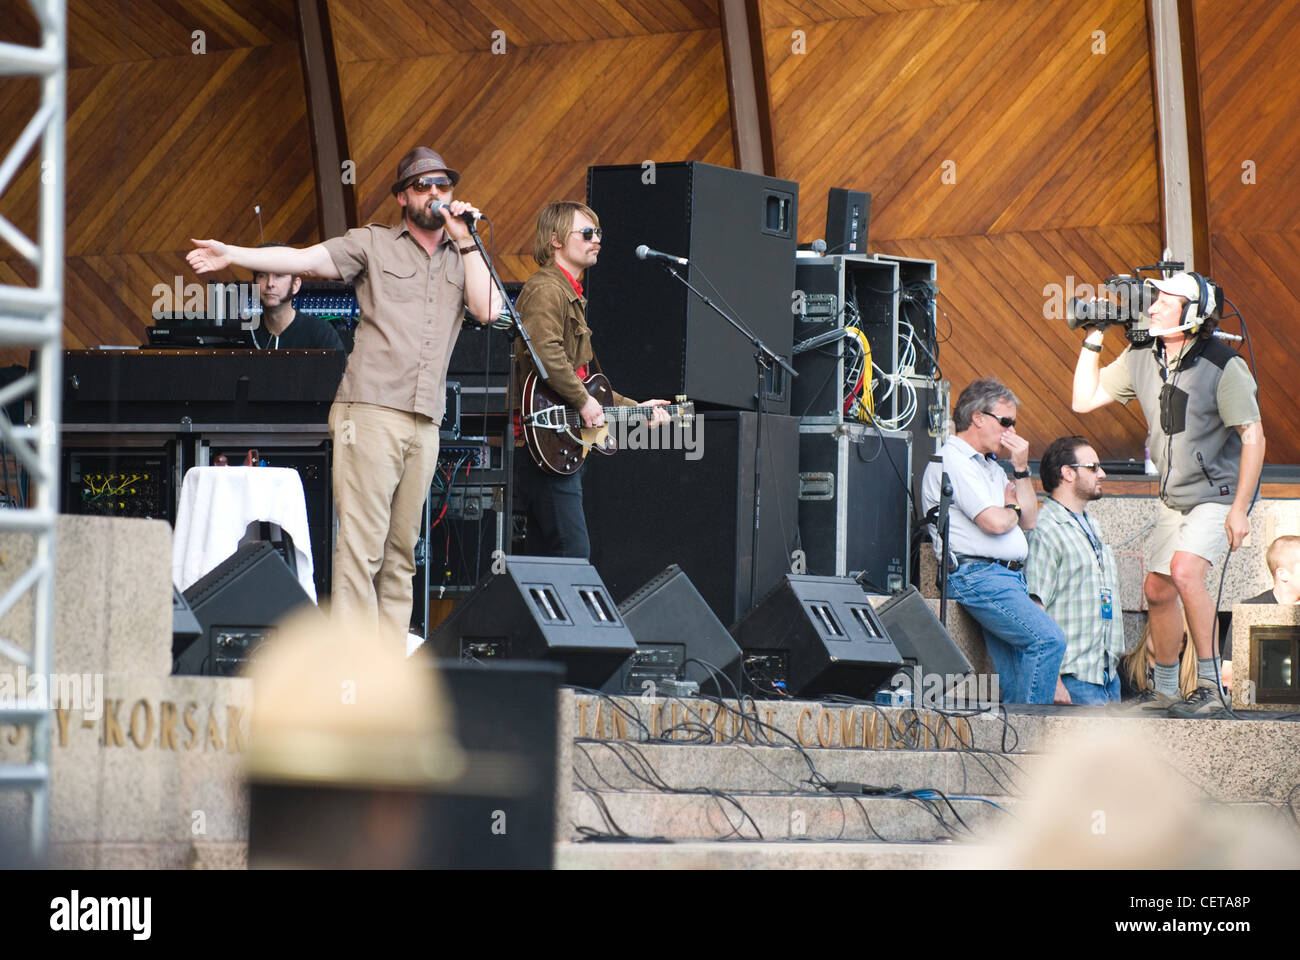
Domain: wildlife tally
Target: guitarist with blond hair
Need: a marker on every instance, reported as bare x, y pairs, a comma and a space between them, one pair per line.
554, 311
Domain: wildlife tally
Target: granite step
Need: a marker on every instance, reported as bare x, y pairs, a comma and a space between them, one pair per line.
603, 765
763, 855
794, 817
1236, 761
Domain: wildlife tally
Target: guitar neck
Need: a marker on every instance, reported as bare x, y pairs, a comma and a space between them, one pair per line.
640, 413
675, 412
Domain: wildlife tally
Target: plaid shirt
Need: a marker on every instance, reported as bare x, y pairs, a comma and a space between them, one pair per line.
1062, 572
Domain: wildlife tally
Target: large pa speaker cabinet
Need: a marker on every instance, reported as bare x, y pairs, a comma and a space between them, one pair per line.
672, 624
813, 636
653, 336
540, 608
501, 813
923, 643
237, 605
646, 509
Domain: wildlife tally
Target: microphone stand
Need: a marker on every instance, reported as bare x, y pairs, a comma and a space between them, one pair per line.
763, 360
508, 432
945, 501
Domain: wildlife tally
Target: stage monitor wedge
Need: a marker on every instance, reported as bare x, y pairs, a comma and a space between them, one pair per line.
540, 608
237, 605
813, 636
923, 643
672, 625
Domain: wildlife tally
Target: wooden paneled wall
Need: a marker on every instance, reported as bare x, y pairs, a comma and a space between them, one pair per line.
163, 143
996, 138
1250, 111
1013, 141
574, 83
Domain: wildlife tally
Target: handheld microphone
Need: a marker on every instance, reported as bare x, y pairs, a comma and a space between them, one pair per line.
645, 253
468, 216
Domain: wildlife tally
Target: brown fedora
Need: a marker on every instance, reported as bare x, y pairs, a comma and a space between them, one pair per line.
422, 160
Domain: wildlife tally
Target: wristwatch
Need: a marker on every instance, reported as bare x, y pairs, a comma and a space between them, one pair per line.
1020, 474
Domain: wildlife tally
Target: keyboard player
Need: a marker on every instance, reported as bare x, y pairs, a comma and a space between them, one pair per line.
283, 327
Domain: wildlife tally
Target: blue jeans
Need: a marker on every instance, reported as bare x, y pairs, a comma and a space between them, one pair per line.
1088, 694
1026, 645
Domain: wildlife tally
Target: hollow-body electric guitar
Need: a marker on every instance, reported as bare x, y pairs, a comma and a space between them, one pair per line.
553, 430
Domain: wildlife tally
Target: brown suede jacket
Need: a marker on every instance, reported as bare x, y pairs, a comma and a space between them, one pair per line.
556, 320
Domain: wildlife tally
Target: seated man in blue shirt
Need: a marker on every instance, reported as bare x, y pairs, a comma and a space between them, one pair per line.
987, 523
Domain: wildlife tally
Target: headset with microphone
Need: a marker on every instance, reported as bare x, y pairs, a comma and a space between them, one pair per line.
1197, 311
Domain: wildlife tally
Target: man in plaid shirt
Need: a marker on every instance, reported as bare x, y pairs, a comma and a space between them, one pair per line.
1071, 572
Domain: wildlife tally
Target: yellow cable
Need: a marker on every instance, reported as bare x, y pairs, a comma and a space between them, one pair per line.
865, 408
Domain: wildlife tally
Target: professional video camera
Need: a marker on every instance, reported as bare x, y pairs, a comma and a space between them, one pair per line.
1127, 301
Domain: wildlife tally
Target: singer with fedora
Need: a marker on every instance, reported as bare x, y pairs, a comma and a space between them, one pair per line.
414, 281
1207, 442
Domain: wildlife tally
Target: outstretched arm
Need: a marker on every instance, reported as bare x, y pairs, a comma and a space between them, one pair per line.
209, 256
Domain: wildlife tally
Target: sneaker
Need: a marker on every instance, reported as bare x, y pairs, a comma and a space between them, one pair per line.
1150, 702
1203, 703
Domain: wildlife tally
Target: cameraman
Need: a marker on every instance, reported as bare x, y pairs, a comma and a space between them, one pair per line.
1207, 442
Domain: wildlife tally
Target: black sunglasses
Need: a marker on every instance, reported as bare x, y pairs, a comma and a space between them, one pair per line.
1005, 421
588, 232
425, 184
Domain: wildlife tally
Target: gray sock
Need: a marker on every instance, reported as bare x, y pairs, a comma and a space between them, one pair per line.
1167, 679
1205, 669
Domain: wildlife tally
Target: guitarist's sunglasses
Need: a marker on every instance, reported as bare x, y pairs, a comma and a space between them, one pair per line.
590, 232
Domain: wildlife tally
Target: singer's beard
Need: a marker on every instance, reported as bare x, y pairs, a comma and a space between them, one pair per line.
422, 216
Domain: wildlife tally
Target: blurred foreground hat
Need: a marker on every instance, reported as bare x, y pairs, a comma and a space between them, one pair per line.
334, 705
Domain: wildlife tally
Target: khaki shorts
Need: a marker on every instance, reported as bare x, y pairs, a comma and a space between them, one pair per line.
1199, 531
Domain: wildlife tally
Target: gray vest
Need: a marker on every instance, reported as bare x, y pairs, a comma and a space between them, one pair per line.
1196, 455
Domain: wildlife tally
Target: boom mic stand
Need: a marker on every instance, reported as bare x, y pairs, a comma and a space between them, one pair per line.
763, 360
508, 432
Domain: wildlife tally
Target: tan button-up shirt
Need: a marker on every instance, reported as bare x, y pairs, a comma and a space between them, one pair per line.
412, 306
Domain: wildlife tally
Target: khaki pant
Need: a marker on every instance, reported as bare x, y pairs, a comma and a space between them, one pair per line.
384, 461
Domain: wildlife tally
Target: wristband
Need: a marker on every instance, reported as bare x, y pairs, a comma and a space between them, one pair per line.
1020, 474
1014, 506
473, 249
1094, 347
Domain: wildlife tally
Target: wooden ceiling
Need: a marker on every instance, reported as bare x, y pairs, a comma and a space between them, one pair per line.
1052, 145
1250, 101
592, 83
164, 143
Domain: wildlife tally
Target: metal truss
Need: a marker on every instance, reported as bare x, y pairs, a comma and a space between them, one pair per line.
33, 317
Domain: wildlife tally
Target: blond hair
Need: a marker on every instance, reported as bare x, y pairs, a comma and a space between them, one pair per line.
1134, 663
1279, 548
555, 222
